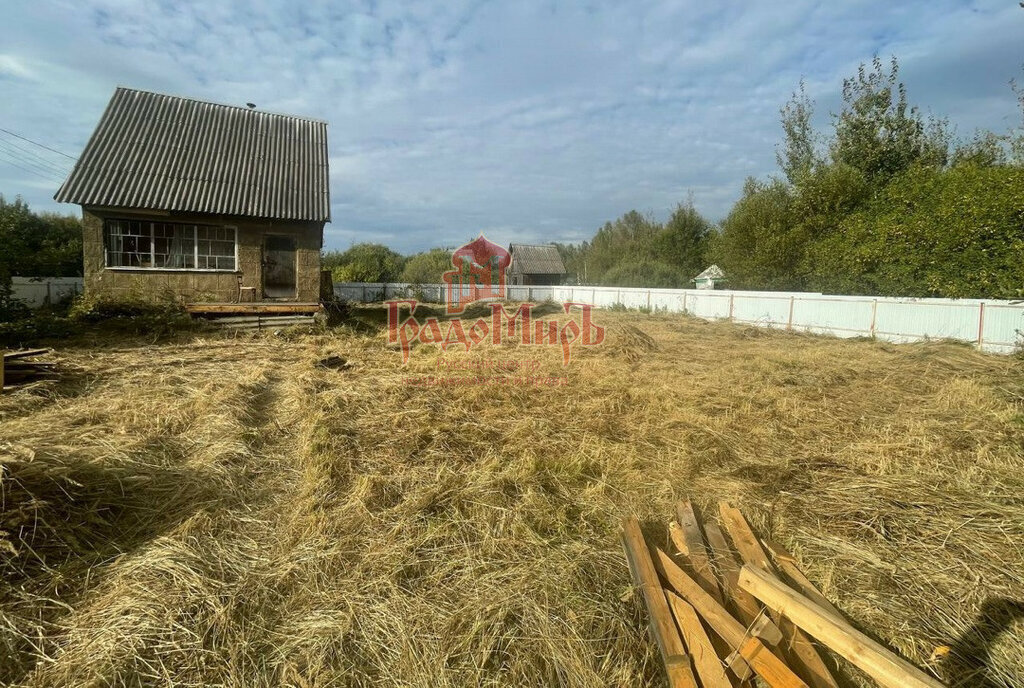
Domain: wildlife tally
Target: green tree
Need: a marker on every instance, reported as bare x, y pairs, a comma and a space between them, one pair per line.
797, 156
682, 243
758, 246
36, 245
640, 272
878, 132
427, 267
365, 262
954, 233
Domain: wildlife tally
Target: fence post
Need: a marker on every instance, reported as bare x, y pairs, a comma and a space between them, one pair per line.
731, 299
684, 301
385, 292
618, 296
874, 316
789, 324
981, 324
363, 299
529, 294
648, 299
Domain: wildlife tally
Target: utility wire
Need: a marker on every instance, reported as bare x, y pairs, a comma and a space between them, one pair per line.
35, 157
29, 161
52, 150
38, 174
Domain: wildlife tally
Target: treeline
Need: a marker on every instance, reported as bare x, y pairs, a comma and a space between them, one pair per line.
369, 262
886, 202
36, 245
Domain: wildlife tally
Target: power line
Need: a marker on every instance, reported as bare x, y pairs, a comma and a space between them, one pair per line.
28, 161
52, 150
14, 164
35, 157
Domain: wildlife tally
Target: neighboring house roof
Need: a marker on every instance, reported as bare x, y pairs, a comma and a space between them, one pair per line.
536, 260
158, 152
714, 273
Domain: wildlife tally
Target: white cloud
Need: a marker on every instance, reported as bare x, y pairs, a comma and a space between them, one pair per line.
533, 120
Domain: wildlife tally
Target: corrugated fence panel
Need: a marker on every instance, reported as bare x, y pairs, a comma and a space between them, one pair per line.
708, 304
40, 291
839, 316
1002, 327
916, 319
995, 327
767, 311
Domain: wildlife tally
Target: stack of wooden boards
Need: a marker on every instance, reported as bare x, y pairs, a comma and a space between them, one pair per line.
721, 617
21, 368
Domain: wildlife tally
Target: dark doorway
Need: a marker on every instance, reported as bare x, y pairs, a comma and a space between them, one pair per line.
278, 267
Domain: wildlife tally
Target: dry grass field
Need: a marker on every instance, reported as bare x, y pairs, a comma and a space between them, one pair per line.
220, 511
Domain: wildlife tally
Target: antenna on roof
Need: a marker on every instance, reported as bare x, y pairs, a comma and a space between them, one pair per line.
251, 105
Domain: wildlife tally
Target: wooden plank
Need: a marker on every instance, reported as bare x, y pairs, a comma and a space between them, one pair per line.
756, 653
705, 659
795, 646
663, 628
746, 607
685, 534
257, 308
886, 667
696, 551
788, 564
12, 355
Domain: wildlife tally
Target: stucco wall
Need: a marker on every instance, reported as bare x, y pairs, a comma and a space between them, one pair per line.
200, 286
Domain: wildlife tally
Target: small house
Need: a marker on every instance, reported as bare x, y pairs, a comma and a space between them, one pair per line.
710, 278
535, 265
201, 202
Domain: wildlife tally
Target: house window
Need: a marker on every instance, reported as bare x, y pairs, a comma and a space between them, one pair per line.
169, 246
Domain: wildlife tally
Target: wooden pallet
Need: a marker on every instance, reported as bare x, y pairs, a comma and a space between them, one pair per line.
720, 613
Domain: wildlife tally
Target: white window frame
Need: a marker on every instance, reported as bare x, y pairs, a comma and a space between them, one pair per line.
152, 244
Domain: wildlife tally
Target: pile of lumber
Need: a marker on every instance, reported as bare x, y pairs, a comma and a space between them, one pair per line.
723, 614
21, 368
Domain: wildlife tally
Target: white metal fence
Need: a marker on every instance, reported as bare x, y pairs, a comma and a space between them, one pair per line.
992, 325
40, 291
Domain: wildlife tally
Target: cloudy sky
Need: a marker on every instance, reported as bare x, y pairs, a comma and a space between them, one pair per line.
527, 120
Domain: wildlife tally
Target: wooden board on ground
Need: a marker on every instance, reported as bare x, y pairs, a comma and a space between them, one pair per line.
760, 658
697, 634
705, 659
795, 646
881, 664
662, 625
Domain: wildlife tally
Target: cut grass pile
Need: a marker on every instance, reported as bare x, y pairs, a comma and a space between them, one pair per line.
226, 512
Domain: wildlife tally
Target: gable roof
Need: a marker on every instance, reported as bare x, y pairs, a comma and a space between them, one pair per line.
158, 152
536, 260
714, 272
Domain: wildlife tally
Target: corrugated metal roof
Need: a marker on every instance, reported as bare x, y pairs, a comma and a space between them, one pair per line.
536, 260
159, 152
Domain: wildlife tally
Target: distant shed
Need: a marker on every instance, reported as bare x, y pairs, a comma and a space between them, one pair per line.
201, 202
535, 265
710, 278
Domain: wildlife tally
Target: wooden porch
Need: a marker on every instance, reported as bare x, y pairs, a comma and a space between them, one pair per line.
256, 308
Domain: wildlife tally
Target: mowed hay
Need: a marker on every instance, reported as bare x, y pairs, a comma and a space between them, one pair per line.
226, 512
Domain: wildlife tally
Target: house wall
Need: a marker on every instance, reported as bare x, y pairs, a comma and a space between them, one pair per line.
527, 279
196, 285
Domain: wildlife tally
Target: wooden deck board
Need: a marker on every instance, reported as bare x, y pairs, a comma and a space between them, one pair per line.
262, 308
